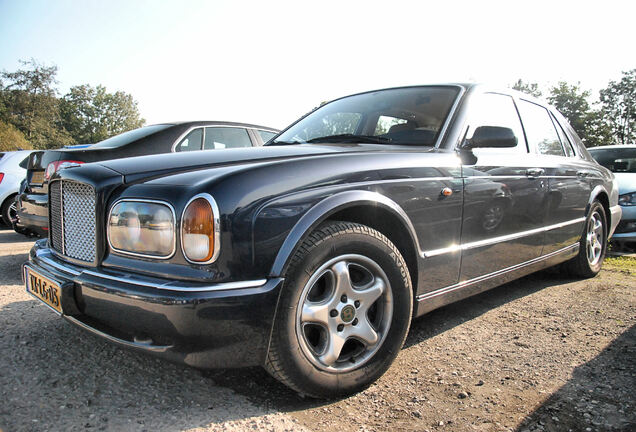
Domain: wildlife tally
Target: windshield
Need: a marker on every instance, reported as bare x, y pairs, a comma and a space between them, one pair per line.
130, 136
617, 159
406, 116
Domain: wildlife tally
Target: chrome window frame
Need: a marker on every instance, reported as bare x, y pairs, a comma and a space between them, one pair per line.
173, 149
137, 254
217, 228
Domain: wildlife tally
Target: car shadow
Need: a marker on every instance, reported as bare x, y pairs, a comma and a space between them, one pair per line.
55, 376
598, 397
260, 387
87, 381
7, 235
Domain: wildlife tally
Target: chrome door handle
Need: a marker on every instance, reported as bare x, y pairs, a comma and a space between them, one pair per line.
534, 172
583, 174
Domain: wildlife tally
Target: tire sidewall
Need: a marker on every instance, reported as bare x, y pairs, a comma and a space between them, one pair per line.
297, 365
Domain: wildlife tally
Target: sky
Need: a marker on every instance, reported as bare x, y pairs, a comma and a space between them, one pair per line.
269, 62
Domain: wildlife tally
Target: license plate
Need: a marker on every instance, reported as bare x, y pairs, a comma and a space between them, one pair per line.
43, 289
37, 178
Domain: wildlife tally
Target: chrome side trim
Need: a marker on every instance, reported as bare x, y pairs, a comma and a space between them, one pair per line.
217, 228
174, 232
482, 278
500, 239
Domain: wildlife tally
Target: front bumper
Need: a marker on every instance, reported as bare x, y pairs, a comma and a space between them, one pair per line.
201, 325
616, 213
626, 230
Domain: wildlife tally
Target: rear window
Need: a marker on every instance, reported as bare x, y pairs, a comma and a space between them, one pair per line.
130, 136
618, 160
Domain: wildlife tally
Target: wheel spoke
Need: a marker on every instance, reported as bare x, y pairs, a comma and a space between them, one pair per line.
364, 332
368, 296
333, 349
343, 279
316, 313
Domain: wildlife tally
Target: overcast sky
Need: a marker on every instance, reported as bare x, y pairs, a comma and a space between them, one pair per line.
268, 62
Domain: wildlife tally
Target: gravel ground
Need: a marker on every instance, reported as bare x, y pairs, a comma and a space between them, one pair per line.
540, 354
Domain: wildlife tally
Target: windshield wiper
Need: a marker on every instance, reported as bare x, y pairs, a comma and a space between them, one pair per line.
344, 138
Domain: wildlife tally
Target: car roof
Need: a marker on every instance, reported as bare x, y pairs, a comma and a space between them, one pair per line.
216, 123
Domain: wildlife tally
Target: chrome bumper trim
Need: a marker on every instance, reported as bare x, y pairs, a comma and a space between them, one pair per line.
45, 257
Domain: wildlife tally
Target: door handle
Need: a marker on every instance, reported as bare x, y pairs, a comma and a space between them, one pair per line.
534, 172
584, 174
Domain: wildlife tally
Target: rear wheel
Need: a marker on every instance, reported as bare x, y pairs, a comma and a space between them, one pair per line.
593, 244
8, 210
344, 312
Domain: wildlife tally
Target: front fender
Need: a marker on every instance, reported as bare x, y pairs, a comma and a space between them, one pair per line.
326, 207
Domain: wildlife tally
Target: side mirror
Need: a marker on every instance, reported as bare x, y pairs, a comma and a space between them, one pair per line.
491, 136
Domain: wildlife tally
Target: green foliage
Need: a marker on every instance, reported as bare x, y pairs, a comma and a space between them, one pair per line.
91, 114
11, 138
572, 102
28, 101
527, 88
619, 105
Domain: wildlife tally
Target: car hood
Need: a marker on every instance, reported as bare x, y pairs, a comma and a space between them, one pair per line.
145, 167
626, 182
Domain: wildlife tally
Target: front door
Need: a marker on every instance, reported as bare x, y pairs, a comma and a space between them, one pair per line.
505, 196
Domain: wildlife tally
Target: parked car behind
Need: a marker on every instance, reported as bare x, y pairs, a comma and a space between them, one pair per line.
32, 214
309, 256
12, 172
621, 160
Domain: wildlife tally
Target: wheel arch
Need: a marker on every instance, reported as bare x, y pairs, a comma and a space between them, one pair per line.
365, 207
600, 194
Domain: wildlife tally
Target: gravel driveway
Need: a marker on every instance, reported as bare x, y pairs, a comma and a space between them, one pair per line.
541, 353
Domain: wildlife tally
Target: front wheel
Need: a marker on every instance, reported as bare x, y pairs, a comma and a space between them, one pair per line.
592, 245
344, 311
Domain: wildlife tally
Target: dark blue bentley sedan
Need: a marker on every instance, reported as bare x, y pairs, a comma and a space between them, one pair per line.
310, 255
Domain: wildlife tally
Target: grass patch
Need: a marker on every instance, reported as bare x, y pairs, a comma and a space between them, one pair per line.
624, 264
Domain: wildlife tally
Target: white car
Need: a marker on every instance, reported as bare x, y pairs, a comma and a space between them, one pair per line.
12, 171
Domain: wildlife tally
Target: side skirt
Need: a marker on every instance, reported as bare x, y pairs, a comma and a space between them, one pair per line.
435, 299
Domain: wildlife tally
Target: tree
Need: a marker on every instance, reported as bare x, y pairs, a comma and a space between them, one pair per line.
91, 114
589, 123
527, 88
11, 138
28, 102
619, 106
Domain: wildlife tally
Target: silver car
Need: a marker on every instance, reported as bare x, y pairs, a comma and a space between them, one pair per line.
621, 160
12, 171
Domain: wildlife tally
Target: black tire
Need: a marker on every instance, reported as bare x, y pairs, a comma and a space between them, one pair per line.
292, 359
583, 265
7, 210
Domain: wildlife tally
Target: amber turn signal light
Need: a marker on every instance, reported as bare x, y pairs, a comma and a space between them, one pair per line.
198, 231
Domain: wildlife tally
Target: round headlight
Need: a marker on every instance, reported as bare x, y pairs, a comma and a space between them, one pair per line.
200, 230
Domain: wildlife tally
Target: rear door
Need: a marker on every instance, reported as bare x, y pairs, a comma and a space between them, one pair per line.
569, 180
504, 195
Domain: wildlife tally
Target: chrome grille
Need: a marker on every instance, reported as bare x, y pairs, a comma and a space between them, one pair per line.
73, 227
55, 206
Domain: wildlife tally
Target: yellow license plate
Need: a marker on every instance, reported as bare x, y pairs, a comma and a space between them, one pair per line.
43, 289
37, 178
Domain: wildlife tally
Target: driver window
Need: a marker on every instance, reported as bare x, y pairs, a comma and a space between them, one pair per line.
492, 109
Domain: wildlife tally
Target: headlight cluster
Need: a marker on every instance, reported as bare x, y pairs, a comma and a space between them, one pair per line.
147, 228
628, 199
142, 228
